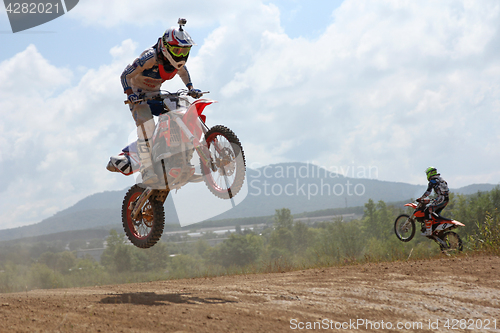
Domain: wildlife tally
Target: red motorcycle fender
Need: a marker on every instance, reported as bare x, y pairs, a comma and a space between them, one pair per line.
411, 204
192, 114
447, 224
457, 223
200, 105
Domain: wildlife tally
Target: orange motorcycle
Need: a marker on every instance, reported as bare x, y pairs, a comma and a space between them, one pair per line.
448, 241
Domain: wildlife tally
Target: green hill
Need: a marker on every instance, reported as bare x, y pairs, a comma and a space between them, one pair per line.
301, 187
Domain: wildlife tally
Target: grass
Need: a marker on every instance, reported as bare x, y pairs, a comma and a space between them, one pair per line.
16, 278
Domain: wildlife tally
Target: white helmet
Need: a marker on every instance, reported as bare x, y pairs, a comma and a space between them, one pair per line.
175, 45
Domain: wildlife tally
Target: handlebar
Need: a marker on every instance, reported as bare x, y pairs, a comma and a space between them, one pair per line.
423, 200
162, 96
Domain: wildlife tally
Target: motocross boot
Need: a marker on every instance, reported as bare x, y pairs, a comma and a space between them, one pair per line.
148, 174
428, 228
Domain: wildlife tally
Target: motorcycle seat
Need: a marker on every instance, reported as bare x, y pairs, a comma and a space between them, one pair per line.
441, 217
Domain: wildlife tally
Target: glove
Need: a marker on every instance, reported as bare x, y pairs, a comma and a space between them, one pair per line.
132, 98
195, 93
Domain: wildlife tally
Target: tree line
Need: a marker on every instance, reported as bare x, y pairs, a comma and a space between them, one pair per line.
283, 245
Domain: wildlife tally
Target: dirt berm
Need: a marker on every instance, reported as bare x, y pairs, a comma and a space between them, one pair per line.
460, 294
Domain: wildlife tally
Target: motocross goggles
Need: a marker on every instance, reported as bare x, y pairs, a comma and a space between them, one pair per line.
179, 51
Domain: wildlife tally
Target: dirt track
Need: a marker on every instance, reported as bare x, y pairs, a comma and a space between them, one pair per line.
415, 294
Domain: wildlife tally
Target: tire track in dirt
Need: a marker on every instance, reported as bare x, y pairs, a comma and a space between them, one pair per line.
412, 292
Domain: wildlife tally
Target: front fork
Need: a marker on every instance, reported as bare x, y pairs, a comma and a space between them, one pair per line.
202, 149
137, 205
407, 225
205, 156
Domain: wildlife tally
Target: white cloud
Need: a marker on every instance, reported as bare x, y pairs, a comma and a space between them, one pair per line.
131, 13
56, 143
395, 85
30, 70
390, 83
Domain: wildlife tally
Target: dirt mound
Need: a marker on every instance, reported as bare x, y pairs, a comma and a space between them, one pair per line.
460, 294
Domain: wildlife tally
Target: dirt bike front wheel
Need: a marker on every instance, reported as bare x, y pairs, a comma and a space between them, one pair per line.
146, 230
225, 178
453, 243
404, 227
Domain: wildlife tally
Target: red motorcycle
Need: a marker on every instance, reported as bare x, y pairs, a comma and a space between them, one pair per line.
448, 241
180, 132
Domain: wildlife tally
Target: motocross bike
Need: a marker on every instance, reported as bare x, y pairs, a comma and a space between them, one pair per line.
448, 241
180, 132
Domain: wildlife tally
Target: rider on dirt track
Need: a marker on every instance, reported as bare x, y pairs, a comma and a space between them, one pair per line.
145, 75
439, 203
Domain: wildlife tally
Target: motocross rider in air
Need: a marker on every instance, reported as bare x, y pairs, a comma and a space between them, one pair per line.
144, 77
437, 205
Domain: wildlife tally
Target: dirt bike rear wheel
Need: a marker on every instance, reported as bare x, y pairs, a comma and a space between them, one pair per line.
228, 158
453, 242
146, 230
404, 228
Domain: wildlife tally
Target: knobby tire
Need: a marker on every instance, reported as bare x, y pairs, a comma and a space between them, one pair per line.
398, 224
146, 230
231, 160
453, 241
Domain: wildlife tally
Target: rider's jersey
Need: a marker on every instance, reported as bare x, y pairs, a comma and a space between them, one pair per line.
439, 185
147, 73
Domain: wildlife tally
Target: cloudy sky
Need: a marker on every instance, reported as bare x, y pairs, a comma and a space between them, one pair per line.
391, 84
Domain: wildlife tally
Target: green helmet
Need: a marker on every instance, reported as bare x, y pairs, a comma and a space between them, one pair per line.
430, 171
